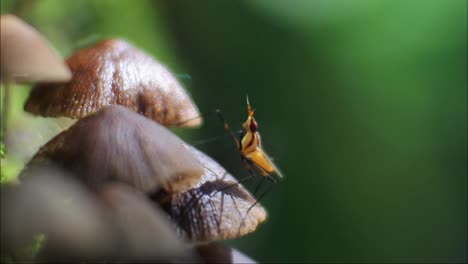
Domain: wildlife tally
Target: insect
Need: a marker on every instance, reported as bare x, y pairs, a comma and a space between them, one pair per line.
253, 156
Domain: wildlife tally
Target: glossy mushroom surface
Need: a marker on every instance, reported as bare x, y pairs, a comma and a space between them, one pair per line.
115, 72
217, 208
117, 144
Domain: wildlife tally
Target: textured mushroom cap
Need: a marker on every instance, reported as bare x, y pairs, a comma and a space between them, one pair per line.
117, 144
26, 56
216, 208
114, 72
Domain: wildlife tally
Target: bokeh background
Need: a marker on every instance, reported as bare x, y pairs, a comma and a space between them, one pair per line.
362, 104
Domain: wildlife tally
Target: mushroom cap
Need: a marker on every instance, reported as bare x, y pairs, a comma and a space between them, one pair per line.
117, 144
26, 55
50, 202
114, 72
215, 209
145, 231
217, 252
115, 223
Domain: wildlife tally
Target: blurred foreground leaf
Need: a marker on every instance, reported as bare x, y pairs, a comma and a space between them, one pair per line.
32, 251
10, 168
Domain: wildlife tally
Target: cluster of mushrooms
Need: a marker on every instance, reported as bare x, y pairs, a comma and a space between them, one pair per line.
118, 185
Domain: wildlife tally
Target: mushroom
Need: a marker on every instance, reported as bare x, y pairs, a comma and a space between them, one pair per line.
115, 223
137, 169
219, 253
116, 144
57, 206
145, 231
217, 208
114, 72
26, 57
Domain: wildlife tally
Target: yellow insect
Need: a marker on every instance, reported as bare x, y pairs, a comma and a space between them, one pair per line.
250, 146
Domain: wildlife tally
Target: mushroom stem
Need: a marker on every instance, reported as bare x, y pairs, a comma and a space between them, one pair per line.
5, 108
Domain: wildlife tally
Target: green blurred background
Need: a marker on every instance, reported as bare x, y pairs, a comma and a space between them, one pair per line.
363, 105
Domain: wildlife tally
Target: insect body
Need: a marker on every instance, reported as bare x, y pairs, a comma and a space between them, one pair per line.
251, 147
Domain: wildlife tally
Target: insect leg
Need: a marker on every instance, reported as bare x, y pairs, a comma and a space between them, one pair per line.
271, 178
252, 175
260, 197
207, 140
228, 128
258, 186
196, 117
253, 205
238, 182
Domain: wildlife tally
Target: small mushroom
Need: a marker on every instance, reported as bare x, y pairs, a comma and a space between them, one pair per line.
114, 72
54, 205
26, 57
117, 144
217, 208
116, 223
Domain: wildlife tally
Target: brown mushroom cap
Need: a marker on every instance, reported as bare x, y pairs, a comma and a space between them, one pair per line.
117, 144
215, 209
26, 56
114, 72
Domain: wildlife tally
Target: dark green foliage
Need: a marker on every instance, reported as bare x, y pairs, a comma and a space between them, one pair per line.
363, 105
